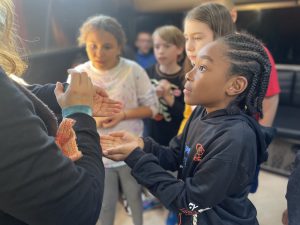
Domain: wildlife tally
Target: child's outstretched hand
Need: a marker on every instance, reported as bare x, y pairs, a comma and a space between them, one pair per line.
118, 145
162, 87
112, 121
164, 90
103, 105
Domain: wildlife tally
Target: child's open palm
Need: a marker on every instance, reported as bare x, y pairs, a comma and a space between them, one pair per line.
112, 121
103, 105
118, 145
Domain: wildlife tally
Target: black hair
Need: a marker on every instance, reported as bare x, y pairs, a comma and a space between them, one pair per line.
248, 58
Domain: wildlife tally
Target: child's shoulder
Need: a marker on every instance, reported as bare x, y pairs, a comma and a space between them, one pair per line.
133, 68
131, 63
238, 130
232, 125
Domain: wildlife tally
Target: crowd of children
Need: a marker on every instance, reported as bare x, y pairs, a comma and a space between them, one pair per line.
227, 104
194, 107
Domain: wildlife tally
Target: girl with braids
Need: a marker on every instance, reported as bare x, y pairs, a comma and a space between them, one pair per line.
221, 145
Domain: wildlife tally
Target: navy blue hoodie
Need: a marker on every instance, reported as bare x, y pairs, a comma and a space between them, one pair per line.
216, 158
293, 193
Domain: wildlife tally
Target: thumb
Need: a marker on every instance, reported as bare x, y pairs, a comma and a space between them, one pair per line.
108, 124
106, 120
113, 151
59, 89
100, 91
117, 133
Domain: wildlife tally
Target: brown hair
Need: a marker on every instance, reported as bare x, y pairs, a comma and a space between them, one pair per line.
10, 59
170, 34
216, 16
102, 22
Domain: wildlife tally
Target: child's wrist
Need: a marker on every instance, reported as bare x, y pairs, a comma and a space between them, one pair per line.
76, 109
98, 122
124, 115
141, 143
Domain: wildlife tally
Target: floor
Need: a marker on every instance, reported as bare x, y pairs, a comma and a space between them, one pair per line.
269, 201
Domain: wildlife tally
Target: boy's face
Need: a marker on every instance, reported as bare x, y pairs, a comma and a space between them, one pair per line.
144, 42
102, 49
207, 82
165, 53
197, 35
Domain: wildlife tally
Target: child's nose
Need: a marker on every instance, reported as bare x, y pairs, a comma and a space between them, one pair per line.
100, 52
189, 45
189, 75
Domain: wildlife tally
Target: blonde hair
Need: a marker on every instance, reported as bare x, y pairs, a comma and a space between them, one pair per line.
10, 59
170, 34
102, 22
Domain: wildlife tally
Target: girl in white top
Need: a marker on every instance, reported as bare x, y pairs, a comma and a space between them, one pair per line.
126, 81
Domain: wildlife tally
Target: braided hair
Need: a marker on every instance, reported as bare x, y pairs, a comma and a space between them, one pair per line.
249, 59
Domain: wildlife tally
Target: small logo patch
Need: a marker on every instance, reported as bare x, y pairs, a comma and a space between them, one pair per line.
199, 153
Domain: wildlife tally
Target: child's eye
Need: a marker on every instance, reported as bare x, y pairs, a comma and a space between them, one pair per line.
197, 38
107, 47
92, 46
202, 68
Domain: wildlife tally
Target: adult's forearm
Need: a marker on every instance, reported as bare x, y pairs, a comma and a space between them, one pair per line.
46, 94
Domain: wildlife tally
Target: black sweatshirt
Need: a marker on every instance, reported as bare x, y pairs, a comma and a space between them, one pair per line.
216, 157
39, 186
166, 124
293, 193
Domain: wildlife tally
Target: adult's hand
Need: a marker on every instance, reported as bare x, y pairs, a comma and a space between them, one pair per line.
79, 92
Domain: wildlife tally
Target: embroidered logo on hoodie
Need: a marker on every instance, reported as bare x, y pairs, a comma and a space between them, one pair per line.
199, 153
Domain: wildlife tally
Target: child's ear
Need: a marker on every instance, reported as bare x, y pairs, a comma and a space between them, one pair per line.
236, 85
120, 48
